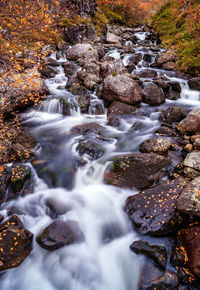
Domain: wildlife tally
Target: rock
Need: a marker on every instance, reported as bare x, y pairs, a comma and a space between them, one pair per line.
136, 170
189, 200
59, 234
129, 48
89, 75
167, 57
158, 145
85, 51
190, 240
166, 131
191, 124
112, 38
52, 62
174, 90
154, 211
119, 108
122, 88
129, 36
192, 165
74, 86
196, 140
114, 122
153, 95
69, 68
169, 65
19, 175
162, 84
78, 33
148, 73
88, 128
172, 115
157, 253
114, 67
101, 52
168, 281
84, 102
194, 83
15, 243
93, 149
49, 71
135, 59
65, 107
55, 208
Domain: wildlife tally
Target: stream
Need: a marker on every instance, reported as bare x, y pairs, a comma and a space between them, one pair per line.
103, 261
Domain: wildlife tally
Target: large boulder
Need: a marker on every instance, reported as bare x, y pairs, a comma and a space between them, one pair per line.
172, 115
121, 88
154, 211
113, 67
119, 108
112, 38
78, 33
15, 243
189, 200
167, 57
190, 240
192, 165
194, 83
158, 145
153, 95
82, 51
191, 124
136, 170
89, 74
59, 234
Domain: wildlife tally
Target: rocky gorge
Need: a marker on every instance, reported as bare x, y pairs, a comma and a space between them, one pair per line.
110, 199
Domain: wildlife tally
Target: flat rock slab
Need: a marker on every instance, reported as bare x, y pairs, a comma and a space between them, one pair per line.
138, 170
154, 211
190, 240
59, 234
15, 243
189, 200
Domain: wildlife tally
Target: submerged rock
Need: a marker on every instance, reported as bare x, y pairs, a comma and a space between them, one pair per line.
15, 243
136, 170
154, 211
157, 253
122, 88
59, 234
158, 145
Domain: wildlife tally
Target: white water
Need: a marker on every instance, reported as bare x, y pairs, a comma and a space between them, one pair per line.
103, 261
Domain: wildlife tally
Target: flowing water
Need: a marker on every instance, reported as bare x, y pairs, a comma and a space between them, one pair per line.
103, 260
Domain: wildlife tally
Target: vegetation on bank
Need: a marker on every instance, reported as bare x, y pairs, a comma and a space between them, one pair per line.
178, 23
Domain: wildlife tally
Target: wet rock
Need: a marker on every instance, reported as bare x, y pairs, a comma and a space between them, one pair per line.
149, 272
69, 68
190, 240
78, 33
192, 165
74, 86
153, 95
157, 253
130, 68
49, 71
166, 131
81, 51
129, 48
189, 200
19, 175
148, 73
88, 128
122, 88
101, 52
65, 107
52, 62
119, 108
167, 57
162, 84
194, 83
15, 243
168, 281
169, 65
158, 145
112, 38
154, 211
196, 140
55, 208
89, 75
136, 170
84, 102
94, 150
114, 122
114, 67
172, 115
59, 234
174, 90
135, 59
191, 124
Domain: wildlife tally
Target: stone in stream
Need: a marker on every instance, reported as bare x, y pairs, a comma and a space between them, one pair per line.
174, 90
189, 239
169, 65
84, 102
15, 243
89, 75
52, 62
112, 38
165, 58
19, 175
113, 67
59, 234
153, 95
49, 71
135, 59
172, 115
101, 52
158, 145
154, 211
138, 170
88, 128
113, 121
192, 165
148, 73
83, 50
55, 208
157, 253
93, 149
194, 83
69, 68
74, 86
191, 124
121, 88
163, 84
189, 200
119, 108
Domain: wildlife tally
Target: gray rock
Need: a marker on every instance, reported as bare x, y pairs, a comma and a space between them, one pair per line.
112, 38
148, 73
158, 145
82, 51
172, 115
119, 108
153, 95
113, 67
193, 161
191, 124
194, 83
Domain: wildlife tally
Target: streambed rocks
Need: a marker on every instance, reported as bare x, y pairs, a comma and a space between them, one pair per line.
15, 243
138, 170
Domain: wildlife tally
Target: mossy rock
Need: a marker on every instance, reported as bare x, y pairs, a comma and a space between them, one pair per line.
19, 175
